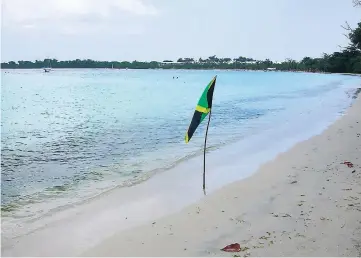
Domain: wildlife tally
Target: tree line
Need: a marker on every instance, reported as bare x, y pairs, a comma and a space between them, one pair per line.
347, 60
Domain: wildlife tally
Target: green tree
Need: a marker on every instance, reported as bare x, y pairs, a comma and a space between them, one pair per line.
355, 36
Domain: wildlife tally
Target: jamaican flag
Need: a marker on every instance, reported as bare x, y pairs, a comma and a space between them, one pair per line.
202, 109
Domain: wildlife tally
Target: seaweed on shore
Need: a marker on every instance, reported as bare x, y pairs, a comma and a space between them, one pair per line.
356, 93
8, 208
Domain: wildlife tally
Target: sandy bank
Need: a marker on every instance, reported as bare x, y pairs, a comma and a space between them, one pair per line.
306, 202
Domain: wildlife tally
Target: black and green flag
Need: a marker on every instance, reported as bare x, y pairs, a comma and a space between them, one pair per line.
202, 109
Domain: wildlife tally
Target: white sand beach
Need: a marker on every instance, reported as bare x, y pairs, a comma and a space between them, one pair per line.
306, 202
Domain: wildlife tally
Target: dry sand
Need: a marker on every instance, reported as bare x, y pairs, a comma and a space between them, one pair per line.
303, 203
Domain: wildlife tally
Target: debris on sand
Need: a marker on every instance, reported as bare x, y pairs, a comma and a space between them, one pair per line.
348, 163
232, 248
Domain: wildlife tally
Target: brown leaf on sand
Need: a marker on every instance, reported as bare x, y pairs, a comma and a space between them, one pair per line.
348, 163
232, 248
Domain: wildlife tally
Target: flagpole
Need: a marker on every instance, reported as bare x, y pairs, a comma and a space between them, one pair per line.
204, 154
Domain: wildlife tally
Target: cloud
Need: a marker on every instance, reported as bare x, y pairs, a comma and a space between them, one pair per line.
136, 7
33, 13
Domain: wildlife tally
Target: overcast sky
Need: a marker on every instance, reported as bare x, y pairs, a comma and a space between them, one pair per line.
168, 29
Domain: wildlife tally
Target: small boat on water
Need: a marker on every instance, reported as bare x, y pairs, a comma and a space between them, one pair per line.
48, 68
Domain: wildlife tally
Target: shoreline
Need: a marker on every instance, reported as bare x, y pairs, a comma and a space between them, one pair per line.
81, 228
183, 69
306, 202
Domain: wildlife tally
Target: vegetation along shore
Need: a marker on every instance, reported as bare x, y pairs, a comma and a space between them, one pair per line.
347, 60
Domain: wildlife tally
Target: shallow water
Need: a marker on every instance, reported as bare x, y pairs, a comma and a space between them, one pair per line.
69, 135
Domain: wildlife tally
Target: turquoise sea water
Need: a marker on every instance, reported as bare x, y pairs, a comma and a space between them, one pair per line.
69, 135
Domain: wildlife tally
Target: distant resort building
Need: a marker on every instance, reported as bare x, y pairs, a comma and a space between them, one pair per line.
165, 62
169, 63
247, 62
235, 63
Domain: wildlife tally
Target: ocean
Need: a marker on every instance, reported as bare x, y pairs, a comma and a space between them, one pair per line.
72, 134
